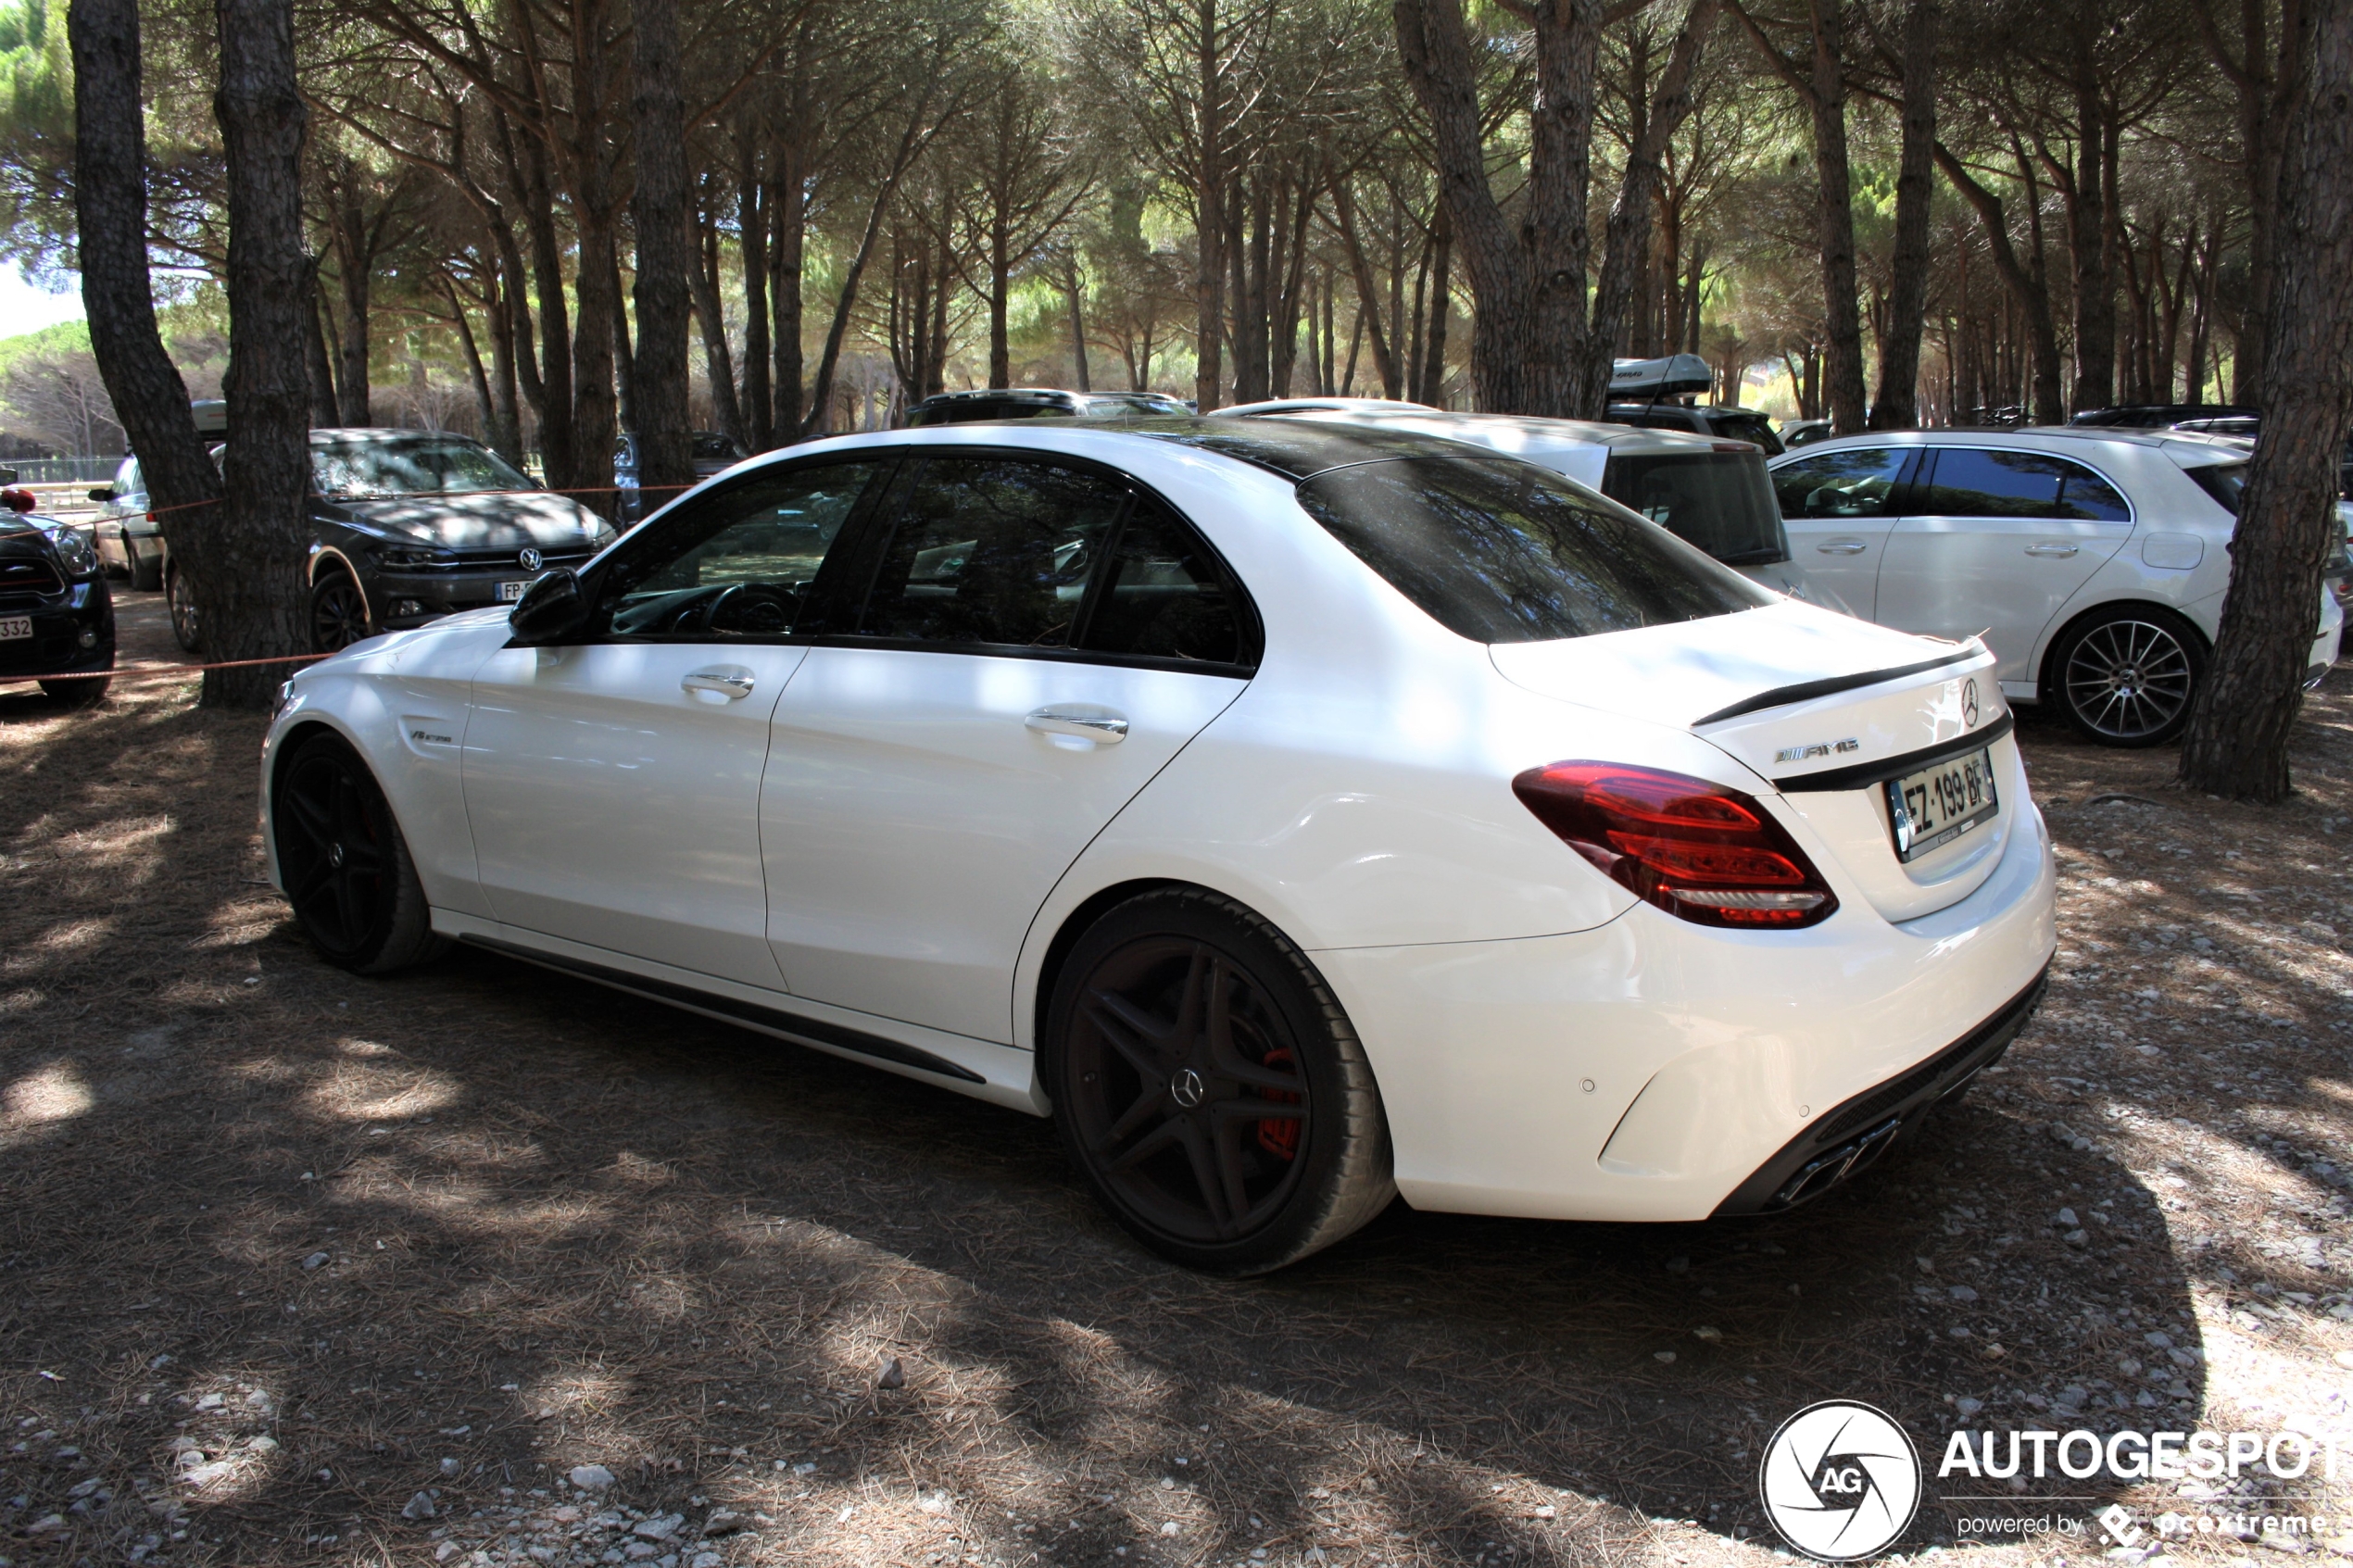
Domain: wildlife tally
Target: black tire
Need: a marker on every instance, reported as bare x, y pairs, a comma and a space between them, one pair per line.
346, 867
146, 571
1141, 1076
79, 694
2126, 675
338, 612
186, 628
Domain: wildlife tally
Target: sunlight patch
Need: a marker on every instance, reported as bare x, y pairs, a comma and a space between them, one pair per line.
56, 1093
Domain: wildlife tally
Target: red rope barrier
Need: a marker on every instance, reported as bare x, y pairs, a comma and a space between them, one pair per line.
167, 672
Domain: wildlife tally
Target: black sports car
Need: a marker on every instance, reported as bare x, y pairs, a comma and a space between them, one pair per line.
413, 525
57, 617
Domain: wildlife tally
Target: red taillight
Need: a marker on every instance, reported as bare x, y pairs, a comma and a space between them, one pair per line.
1698, 850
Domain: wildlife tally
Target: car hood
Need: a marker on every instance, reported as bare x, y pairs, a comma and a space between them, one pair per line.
494, 520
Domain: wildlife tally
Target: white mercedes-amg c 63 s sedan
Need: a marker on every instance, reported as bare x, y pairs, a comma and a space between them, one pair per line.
1301, 816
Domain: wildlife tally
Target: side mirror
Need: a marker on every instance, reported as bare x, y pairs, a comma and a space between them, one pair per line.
104, 493
550, 609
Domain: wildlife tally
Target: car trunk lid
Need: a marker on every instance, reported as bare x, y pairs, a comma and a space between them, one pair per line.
1827, 708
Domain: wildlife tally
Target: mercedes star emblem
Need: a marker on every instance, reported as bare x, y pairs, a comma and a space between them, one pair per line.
1969, 696
1184, 1088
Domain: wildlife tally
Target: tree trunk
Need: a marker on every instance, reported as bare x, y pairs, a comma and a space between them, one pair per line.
1360, 269
719, 363
354, 265
1834, 221
791, 216
1897, 406
247, 572
1628, 236
751, 224
475, 375
2087, 231
1208, 220
324, 407
2027, 287
554, 402
1074, 296
666, 462
111, 208
2237, 740
1000, 355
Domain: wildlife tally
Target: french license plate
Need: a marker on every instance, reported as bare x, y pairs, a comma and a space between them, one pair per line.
1935, 806
509, 592
14, 626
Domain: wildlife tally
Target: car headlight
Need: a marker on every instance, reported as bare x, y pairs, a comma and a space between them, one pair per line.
409, 558
73, 551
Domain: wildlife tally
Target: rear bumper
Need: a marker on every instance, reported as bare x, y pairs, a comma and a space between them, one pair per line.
1848, 1138
1649, 1070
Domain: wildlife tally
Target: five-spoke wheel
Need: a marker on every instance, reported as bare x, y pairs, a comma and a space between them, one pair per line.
2126, 676
343, 864
1210, 1088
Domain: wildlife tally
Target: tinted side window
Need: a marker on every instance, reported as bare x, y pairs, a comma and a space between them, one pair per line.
1500, 551
1851, 481
1162, 597
988, 549
1969, 481
735, 563
2085, 495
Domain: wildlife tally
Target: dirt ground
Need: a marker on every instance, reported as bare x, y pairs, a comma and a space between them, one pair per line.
298, 1268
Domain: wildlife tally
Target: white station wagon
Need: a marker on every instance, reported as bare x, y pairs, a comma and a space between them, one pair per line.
1300, 816
2091, 560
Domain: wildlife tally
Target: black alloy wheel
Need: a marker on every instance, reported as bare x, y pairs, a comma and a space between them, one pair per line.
2126, 677
1210, 1088
338, 613
345, 868
182, 600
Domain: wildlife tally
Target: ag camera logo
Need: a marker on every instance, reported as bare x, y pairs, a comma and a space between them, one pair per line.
1839, 1481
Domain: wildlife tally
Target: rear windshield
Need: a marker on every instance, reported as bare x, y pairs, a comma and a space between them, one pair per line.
2225, 482
1502, 551
1722, 502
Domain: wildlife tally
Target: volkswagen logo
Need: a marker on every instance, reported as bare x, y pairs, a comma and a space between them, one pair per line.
530, 560
1839, 1481
1186, 1087
1968, 694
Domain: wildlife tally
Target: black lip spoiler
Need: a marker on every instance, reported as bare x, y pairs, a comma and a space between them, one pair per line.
1806, 690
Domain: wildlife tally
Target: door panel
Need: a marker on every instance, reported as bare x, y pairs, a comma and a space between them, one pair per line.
1037, 640
919, 806
614, 805
2000, 540
613, 786
1838, 507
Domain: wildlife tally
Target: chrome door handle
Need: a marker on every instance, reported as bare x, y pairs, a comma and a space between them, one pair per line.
1842, 548
728, 680
1102, 728
2052, 552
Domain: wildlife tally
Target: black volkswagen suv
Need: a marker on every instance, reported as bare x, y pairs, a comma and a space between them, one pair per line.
413, 525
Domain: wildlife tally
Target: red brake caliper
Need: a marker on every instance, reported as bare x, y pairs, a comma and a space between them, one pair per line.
1281, 1138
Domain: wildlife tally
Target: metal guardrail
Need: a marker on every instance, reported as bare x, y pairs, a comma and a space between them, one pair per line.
62, 471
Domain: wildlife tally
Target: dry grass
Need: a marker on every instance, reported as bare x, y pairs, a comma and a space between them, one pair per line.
561, 1228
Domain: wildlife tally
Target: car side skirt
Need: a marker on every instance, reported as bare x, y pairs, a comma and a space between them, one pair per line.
1001, 1074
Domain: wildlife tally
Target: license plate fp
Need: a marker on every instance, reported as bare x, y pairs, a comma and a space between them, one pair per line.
509, 592
1929, 808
